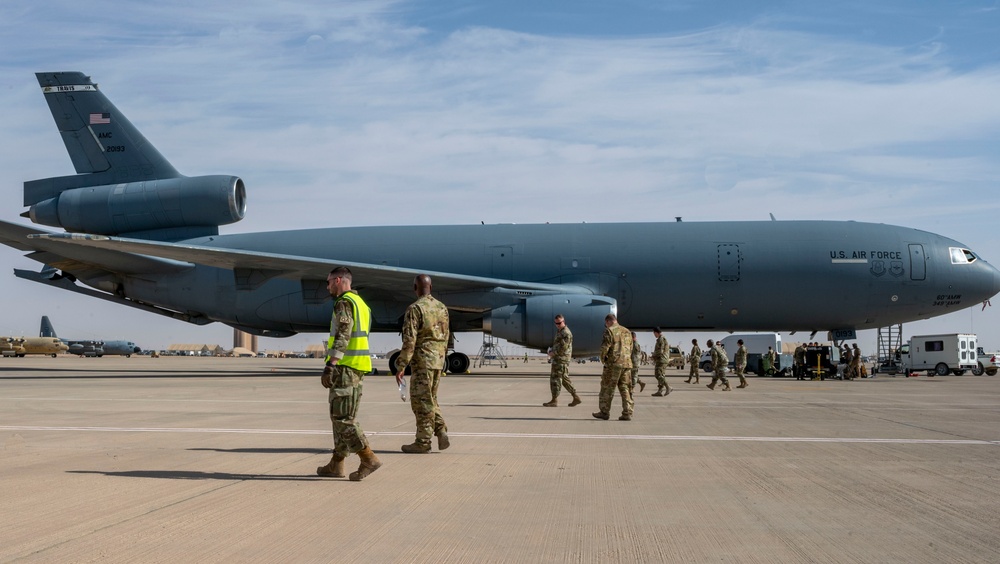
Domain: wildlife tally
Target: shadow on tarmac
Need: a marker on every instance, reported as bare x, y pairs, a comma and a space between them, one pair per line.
187, 475
266, 450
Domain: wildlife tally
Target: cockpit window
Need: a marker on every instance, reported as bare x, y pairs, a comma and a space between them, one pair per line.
961, 256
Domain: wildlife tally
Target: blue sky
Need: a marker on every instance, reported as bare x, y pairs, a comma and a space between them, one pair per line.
458, 112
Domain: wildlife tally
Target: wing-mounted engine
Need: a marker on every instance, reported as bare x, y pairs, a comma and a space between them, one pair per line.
180, 204
530, 323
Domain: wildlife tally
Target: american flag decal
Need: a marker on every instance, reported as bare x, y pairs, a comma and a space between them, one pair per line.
98, 119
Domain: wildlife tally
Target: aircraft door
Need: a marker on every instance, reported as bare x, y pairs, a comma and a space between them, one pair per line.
918, 262
729, 262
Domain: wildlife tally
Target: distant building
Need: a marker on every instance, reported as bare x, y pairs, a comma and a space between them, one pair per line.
196, 349
242, 339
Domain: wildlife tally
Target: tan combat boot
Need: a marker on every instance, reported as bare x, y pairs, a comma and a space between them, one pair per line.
727, 388
688, 381
443, 441
553, 403
369, 464
335, 468
576, 401
659, 392
642, 386
416, 448
711, 386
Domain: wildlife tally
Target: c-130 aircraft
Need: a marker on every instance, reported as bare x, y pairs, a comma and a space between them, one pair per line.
141, 234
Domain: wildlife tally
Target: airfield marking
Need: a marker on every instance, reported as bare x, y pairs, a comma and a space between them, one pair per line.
511, 435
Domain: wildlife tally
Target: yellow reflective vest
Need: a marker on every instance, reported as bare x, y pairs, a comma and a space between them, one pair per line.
357, 355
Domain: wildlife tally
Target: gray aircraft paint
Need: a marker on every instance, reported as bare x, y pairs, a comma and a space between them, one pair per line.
146, 249
90, 347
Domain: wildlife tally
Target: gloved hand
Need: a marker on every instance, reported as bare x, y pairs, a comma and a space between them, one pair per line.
327, 377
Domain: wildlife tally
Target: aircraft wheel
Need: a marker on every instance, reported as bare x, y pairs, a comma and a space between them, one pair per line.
941, 369
978, 370
457, 363
392, 364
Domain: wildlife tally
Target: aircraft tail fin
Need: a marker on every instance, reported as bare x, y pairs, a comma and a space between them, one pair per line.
102, 143
46, 330
124, 185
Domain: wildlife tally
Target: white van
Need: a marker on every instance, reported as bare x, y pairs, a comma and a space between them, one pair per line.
941, 354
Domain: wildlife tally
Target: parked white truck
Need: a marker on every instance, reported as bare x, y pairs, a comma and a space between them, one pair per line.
987, 362
941, 354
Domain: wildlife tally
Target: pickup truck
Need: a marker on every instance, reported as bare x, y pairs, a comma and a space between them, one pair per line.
987, 362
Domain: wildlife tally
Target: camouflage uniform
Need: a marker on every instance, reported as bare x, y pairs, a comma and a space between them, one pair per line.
695, 359
425, 345
616, 355
856, 362
661, 356
562, 354
720, 360
636, 362
847, 358
799, 357
345, 388
741, 365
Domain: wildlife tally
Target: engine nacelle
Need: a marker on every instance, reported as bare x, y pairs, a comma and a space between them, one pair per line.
530, 323
171, 203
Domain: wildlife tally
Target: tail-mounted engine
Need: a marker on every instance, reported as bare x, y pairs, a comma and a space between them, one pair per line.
155, 205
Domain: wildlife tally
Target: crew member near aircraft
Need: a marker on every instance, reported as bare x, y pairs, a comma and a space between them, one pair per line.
561, 354
661, 356
770, 360
347, 362
636, 362
845, 359
799, 359
720, 361
425, 346
741, 363
616, 355
856, 362
695, 359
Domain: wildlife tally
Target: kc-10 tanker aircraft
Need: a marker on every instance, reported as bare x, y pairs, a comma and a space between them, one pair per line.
141, 234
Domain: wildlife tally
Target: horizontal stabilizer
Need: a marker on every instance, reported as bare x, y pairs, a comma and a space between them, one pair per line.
77, 260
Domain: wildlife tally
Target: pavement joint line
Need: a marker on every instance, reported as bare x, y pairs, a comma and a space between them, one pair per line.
848, 440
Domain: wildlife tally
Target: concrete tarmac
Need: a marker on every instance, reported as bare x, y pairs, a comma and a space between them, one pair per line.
213, 460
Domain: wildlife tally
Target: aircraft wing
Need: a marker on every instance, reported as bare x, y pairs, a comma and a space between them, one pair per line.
78, 260
298, 267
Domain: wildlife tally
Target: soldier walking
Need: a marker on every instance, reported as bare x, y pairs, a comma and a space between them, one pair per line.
695, 359
636, 361
856, 362
347, 361
425, 344
741, 363
616, 355
661, 356
720, 361
561, 354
